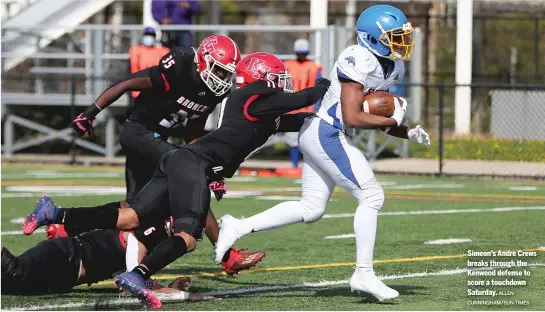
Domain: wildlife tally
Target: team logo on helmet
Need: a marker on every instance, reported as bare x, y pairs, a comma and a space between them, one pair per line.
257, 68
209, 44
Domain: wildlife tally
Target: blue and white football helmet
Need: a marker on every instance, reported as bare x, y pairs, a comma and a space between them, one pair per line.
386, 32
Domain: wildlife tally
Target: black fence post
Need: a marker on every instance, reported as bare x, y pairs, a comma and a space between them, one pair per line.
441, 126
73, 113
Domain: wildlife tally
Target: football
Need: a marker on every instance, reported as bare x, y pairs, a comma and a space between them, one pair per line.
379, 103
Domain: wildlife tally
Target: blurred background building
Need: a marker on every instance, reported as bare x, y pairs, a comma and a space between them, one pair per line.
57, 56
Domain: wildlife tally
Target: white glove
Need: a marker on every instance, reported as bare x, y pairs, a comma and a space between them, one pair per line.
419, 135
400, 105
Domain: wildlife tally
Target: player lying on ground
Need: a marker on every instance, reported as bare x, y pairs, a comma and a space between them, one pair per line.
331, 157
59, 264
248, 118
175, 100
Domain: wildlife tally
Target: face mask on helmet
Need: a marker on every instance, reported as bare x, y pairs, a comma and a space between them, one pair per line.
400, 40
282, 80
148, 40
218, 77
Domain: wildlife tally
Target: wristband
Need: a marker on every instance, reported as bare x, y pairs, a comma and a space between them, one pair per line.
92, 111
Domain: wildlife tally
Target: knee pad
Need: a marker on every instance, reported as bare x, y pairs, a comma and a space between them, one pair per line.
312, 211
372, 195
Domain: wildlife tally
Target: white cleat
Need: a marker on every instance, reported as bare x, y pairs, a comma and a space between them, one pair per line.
227, 237
371, 284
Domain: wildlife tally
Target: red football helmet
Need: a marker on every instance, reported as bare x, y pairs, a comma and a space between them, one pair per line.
263, 66
216, 59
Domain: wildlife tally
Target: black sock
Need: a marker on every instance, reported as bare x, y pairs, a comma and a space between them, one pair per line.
87, 219
142, 271
73, 229
226, 255
165, 253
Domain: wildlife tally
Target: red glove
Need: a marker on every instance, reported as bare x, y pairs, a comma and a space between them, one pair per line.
219, 188
55, 230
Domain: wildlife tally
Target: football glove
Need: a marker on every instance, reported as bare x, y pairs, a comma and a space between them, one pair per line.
419, 135
219, 188
84, 122
322, 83
400, 105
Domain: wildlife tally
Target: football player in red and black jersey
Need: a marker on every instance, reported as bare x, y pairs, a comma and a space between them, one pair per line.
176, 99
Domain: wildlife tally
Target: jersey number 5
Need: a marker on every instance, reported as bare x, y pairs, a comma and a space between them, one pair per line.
169, 61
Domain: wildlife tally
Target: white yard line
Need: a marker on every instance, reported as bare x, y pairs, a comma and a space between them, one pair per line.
448, 241
522, 188
59, 175
124, 301
8, 233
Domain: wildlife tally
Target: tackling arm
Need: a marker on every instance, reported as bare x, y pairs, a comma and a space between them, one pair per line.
280, 103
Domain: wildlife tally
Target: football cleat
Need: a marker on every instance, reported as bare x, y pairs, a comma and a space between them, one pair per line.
227, 237
55, 231
368, 282
44, 213
134, 284
239, 261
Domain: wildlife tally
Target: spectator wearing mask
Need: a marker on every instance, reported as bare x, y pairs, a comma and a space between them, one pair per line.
304, 73
146, 54
176, 12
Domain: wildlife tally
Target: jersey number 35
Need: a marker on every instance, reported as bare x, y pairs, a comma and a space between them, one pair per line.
169, 61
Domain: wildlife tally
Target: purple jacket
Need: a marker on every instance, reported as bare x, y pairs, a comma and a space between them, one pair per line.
162, 9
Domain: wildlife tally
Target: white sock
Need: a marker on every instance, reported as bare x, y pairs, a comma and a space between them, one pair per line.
281, 215
365, 227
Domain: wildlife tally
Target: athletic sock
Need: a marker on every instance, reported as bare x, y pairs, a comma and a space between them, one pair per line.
165, 253
281, 215
87, 219
75, 230
365, 228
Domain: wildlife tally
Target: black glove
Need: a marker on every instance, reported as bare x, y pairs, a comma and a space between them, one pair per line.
322, 83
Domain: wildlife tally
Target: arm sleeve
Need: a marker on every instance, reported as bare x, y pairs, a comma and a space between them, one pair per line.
138, 81
292, 122
280, 103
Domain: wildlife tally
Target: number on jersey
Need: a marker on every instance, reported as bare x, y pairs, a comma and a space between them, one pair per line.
169, 61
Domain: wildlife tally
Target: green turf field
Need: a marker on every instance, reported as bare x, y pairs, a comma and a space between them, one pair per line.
303, 270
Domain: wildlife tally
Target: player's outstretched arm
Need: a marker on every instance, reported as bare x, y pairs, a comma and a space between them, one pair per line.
351, 101
292, 122
280, 103
138, 81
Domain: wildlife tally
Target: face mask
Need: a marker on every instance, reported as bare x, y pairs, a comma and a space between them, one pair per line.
148, 41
